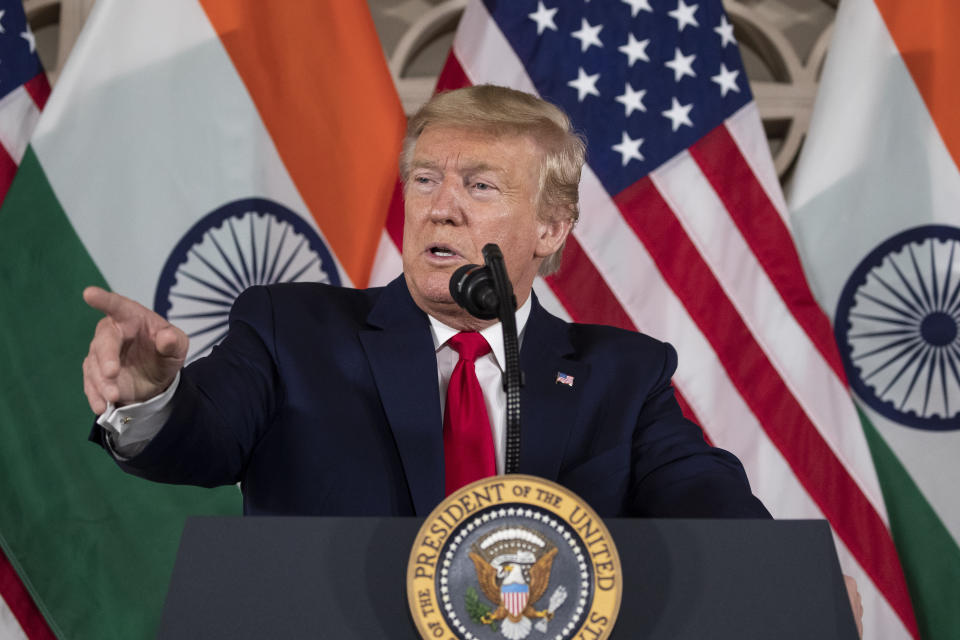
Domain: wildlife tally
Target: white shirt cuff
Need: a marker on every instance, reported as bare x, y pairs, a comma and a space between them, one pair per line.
131, 428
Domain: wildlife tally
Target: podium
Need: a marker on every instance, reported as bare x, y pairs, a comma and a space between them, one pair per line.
296, 578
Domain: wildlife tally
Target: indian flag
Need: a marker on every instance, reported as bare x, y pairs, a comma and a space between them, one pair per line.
876, 212
190, 149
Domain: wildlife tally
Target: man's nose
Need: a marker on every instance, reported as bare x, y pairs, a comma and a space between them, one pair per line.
447, 205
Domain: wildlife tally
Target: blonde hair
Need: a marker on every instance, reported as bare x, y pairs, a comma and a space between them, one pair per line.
502, 111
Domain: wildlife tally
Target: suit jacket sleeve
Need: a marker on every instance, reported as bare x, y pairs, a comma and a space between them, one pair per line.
630, 451
223, 406
675, 472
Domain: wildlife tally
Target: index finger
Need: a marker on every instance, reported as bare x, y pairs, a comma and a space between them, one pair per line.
109, 303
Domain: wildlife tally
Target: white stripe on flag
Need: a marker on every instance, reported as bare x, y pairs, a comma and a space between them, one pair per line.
9, 627
387, 264
485, 54
549, 300
744, 126
18, 117
879, 619
706, 386
810, 379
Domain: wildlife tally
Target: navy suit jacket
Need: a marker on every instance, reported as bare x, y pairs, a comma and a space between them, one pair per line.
325, 401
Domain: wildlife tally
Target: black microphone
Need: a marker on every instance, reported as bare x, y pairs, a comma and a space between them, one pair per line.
472, 287
486, 293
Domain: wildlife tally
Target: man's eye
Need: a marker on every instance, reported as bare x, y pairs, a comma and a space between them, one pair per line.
482, 186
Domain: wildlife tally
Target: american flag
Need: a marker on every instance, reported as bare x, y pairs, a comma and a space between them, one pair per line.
684, 235
564, 378
23, 89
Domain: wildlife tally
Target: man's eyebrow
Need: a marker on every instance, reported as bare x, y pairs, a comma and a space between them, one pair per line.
467, 168
479, 167
425, 164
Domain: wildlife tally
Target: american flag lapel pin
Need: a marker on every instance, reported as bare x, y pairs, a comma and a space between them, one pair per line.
564, 378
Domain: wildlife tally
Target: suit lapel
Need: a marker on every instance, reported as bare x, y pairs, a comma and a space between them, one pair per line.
401, 354
548, 408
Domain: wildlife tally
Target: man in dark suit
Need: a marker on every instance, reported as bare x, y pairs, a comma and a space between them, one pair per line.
329, 401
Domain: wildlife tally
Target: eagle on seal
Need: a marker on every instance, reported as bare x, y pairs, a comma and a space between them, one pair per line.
506, 587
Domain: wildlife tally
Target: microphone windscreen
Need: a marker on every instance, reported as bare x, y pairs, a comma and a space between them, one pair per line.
471, 287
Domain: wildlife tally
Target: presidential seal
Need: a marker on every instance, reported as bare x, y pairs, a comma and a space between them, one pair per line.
514, 557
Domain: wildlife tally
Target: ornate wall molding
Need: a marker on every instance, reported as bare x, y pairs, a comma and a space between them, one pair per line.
438, 21
783, 83
64, 18
785, 101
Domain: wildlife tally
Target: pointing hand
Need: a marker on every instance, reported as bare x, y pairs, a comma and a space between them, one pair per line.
135, 353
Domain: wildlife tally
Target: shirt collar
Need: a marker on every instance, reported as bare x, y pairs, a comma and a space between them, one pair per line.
492, 334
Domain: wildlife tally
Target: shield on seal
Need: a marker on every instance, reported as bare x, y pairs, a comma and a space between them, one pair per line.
514, 597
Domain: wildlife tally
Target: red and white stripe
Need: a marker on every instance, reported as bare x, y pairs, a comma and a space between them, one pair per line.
20, 619
699, 253
19, 112
514, 601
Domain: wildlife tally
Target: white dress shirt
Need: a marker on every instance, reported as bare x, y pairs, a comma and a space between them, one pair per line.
490, 369
133, 426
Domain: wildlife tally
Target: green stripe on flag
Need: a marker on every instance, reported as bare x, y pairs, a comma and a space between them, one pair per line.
928, 553
95, 546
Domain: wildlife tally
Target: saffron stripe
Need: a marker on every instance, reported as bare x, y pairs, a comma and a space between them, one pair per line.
21, 604
720, 160
312, 98
925, 33
782, 418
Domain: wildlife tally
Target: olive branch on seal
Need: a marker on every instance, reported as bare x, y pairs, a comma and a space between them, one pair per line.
476, 609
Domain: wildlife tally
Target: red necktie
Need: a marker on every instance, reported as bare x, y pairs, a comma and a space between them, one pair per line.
467, 440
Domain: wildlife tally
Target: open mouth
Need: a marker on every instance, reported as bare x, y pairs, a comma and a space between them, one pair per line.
443, 251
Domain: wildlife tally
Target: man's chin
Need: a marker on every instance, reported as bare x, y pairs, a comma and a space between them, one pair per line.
432, 290
435, 285
440, 301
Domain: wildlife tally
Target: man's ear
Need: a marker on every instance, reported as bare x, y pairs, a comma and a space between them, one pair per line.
553, 232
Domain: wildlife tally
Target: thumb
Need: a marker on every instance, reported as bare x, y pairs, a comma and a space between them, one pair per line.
171, 342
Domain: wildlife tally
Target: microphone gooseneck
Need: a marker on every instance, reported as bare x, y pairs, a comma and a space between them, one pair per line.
487, 293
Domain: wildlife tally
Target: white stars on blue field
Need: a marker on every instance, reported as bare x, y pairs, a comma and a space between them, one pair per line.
643, 79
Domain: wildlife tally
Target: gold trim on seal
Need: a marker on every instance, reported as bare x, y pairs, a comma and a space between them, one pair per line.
518, 494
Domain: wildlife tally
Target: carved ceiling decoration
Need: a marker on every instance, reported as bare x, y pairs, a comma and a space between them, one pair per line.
771, 34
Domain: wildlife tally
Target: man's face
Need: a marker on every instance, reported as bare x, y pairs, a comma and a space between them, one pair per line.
468, 188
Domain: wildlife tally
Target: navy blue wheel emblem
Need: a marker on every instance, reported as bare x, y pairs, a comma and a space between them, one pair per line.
243, 243
898, 328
